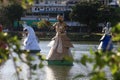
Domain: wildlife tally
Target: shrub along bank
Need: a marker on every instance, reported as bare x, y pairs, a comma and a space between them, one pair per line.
72, 36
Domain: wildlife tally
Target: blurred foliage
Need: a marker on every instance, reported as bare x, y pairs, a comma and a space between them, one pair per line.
9, 45
44, 24
27, 3
24, 3
68, 58
101, 59
116, 34
12, 10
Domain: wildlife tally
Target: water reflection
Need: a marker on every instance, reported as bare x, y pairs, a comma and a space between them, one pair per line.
7, 71
57, 72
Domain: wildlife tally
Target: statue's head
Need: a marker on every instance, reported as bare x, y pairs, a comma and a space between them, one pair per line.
25, 31
60, 18
108, 24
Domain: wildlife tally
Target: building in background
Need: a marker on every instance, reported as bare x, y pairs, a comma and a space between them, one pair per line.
49, 9
114, 3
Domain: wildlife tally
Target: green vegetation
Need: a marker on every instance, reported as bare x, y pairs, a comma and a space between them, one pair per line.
99, 58
73, 36
116, 34
92, 13
10, 44
44, 24
13, 13
10, 13
102, 59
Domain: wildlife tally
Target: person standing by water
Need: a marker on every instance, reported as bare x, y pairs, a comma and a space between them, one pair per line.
60, 44
106, 40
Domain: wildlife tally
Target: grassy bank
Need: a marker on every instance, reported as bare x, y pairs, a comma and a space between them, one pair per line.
84, 37
72, 36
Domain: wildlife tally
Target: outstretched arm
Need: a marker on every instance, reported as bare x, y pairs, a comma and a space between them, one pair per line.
53, 26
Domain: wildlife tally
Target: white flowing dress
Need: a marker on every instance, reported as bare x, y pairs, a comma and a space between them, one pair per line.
30, 41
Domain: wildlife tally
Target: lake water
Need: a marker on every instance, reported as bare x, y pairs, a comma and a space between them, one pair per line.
8, 72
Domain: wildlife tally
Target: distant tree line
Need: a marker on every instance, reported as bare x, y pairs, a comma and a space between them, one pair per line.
92, 13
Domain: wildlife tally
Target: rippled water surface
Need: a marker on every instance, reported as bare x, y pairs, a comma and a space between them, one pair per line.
8, 72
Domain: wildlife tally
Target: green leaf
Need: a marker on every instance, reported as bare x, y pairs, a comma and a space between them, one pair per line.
68, 58
91, 51
30, 2
34, 67
41, 56
100, 75
84, 59
41, 65
114, 68
30, 58
78, 76
15, 59
95, 66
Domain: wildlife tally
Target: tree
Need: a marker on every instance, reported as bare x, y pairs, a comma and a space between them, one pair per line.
108, 13
92, 13
8, 3
13, 12
66, 16
85, 13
